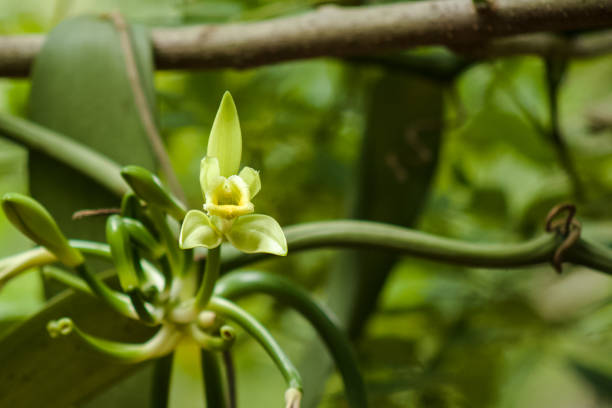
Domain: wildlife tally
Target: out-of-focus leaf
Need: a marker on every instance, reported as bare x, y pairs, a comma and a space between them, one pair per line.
14, 304
600, 380
80, 88
40, 371
495, 125
398, 159
534, 213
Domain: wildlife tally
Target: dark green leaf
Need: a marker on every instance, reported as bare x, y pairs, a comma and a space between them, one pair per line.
93, 105
63, 371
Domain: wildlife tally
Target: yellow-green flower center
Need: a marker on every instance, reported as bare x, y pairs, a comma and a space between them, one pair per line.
229, 198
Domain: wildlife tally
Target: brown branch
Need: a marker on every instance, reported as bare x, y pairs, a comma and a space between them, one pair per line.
144, 110
599, 117
77, 215
332, 31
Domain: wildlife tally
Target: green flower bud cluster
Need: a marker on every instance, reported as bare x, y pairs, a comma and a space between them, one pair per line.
156, 268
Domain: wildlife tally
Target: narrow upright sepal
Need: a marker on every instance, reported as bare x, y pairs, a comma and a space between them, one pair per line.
225, 141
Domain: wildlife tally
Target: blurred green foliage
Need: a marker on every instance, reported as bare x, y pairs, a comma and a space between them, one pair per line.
442, 336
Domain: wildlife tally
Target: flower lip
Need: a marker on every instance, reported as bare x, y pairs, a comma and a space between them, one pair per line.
229, 198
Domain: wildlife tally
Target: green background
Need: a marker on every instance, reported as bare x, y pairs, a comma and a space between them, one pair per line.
467, 157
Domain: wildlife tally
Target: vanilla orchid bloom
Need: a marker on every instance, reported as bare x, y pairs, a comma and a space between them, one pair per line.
228, 211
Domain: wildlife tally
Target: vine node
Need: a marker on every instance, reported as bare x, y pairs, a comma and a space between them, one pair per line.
569, 228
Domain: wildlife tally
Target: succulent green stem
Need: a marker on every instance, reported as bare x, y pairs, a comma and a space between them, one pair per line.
123, 254
14, 265
142, 308
163, 342
214, 343
149, 188
87, 283
240, 284
211, 274
236, 314
216, 391
67, 278
168, 239
141, 236
91, 247
117, 301
89, 162
367, 234
591, 254
103, 251
160, 389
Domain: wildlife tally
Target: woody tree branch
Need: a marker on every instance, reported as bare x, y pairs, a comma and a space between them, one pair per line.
339, 32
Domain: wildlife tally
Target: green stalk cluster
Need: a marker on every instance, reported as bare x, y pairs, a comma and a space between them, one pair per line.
161, 284
155, 278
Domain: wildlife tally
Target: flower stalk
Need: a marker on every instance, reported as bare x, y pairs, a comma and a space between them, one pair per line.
239, 316
211, 274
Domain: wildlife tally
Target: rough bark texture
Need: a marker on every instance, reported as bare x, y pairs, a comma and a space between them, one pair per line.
338, 32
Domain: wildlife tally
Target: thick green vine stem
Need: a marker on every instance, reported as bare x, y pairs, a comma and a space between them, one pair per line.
88, 161
214, 343
216, 390
591, 254
149, 187
116, 300
68, 279
239, 284
88, 281
103, 251
160, 388
14, 265
211, 273
352, 234
162, 343
175, 256
232, 312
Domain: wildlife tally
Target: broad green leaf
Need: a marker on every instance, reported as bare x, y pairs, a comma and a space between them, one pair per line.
66, 150
198, 231
79, 89
398, 158
39, 371
399, 154
14, 178
598, 378
255, 233
225, 141
93, 105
